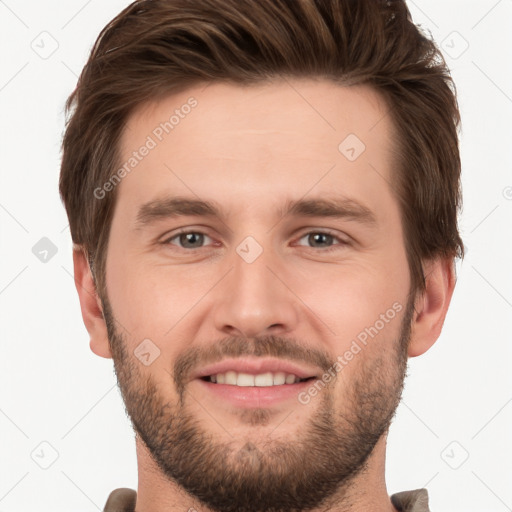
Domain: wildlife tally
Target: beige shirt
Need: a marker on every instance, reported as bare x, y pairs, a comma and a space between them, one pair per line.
123, 500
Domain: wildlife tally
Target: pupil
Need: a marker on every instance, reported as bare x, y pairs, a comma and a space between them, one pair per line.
320, 238
190, 239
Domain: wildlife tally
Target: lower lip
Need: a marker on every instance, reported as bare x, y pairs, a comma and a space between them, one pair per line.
255, 396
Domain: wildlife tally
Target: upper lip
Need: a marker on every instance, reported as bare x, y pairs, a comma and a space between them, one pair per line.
255, 366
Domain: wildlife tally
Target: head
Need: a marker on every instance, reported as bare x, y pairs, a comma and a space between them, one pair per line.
212, 150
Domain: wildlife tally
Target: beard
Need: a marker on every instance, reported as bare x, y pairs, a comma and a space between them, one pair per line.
314, 469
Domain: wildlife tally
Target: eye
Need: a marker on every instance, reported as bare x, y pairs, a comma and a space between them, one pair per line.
322, 240
188, 239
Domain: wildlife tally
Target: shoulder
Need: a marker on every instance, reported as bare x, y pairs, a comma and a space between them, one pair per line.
411, 501
121, 500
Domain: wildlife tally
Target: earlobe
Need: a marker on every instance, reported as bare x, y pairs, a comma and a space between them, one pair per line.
431, 307
90, 305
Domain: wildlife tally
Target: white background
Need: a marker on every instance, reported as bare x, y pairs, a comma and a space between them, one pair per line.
53, 389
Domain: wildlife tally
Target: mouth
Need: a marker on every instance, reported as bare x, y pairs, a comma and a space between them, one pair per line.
268, 379
254, 382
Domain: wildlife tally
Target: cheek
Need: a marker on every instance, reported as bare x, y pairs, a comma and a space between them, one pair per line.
356, 301
150, 300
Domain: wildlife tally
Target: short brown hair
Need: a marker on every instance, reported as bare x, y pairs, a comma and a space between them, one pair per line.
158, 47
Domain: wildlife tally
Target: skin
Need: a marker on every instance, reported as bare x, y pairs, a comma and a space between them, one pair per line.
250, 149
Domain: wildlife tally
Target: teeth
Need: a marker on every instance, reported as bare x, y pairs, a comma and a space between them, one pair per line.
279, 378
230, 378
265, 379
247, 380
290, 379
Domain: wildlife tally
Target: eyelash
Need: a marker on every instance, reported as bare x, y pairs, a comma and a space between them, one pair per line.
342, 243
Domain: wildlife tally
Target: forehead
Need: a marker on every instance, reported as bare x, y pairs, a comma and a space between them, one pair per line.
286, 136
283, 108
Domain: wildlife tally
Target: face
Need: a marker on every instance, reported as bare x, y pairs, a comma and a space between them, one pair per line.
258, 304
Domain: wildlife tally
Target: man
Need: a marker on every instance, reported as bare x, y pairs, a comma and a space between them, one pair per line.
263, 197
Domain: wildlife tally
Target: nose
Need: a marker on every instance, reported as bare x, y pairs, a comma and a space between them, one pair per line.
255, 300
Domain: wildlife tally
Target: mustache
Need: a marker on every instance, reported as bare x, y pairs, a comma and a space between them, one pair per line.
263, 346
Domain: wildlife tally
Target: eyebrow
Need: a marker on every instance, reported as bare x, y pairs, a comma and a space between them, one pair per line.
173, 207
339, 207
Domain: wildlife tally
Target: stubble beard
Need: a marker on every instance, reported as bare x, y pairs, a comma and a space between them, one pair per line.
314, 469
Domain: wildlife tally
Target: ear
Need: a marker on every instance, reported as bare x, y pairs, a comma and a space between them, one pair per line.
431, 307
90, 304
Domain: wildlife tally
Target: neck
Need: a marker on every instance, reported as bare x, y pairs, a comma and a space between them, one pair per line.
157, 493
